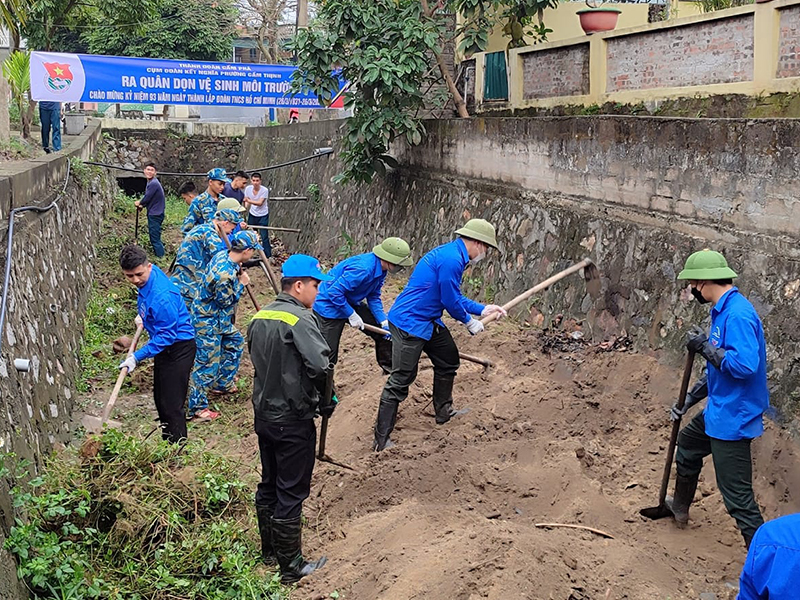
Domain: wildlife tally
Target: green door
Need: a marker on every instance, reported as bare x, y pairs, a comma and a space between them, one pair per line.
495, 80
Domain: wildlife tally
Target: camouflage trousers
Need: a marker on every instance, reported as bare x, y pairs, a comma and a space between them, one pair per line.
219, 350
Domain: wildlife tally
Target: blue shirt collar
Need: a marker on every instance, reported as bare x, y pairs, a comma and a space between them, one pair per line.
151, 281
378, 270
462, 250
720, 305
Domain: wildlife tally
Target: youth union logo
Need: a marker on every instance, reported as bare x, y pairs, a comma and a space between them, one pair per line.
58, 78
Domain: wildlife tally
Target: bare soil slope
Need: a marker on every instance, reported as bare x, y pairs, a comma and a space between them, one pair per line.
576, 436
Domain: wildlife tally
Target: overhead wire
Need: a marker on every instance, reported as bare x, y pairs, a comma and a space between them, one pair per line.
317, 153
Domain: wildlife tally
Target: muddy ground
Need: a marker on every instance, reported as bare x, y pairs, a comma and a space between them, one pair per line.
556, 433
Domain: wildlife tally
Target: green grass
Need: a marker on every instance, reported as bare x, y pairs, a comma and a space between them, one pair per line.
139, 519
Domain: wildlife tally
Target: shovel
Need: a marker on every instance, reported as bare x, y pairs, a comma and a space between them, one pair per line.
247, 288
590, 274
323, 430
662, 510
94, 424
136, 227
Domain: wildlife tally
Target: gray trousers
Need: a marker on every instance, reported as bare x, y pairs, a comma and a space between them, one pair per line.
406, 352
733, 466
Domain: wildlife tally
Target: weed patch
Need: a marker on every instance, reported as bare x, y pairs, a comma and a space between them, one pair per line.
139, 519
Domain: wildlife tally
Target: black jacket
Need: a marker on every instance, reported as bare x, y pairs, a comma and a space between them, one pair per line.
291, 361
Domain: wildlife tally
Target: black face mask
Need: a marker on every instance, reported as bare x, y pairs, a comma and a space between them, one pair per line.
698, 296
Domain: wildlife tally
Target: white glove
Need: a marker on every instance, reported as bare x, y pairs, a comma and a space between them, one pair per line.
356, 321
474, 326
494, 308
129, 362
385, 325
138, 321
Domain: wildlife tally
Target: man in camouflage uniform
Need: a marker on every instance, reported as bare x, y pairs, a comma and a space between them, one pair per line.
219, 344
202, 208
199, 246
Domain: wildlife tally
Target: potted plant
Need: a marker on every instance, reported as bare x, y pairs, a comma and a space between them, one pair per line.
597, 17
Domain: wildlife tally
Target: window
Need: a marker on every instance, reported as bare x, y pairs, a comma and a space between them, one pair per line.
495, 79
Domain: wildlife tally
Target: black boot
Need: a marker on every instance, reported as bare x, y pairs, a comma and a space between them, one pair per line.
443, 399
264, 516
685, 487
384, 424
287, 537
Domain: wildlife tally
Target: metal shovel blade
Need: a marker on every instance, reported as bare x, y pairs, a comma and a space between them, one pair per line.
656, 512
93, 424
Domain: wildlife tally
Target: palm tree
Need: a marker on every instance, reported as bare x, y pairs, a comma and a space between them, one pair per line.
17, 70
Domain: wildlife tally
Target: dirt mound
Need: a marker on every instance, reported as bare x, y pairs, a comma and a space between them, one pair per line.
558, 431
578, 437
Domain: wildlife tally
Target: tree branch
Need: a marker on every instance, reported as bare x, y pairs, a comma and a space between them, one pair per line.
458, 100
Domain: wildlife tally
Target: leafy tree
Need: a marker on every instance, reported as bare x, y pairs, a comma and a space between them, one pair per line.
389, 50
181, 29
17, 70
58, 25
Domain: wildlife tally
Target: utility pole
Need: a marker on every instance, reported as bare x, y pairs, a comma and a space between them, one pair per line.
302, 14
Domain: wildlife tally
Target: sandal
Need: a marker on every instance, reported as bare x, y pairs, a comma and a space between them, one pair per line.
205, 414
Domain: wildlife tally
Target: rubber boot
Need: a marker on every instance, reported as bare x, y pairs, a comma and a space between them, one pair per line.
685, 487
748, 538
287, 537
443, 399
384, 424
264, 516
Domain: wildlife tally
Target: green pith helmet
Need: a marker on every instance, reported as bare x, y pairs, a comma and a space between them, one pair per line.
480, 230
394, 250
706, 265
230, 203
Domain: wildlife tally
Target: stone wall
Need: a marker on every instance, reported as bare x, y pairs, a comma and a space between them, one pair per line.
789, 42
668, 58
560, 189
51, 274
170, 151
556, 72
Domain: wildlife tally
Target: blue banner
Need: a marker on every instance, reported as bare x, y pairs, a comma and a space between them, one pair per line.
58, 77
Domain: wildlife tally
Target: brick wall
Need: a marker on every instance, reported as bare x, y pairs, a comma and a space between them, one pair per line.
719, 51
557, 72
789, 44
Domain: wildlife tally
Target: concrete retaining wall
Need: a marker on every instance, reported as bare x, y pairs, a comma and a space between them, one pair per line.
559, 189
51, 278
170, 151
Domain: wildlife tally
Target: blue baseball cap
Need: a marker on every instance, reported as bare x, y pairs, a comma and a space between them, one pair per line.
245, 240
302, 265
219, 174
228, 214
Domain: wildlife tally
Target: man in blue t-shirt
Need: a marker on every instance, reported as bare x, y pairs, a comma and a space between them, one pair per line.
415, 322
353, 296
736, 385
50, 116
163, 313
235, 188
155, 203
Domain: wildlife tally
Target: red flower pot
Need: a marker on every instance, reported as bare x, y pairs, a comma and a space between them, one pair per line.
594, 20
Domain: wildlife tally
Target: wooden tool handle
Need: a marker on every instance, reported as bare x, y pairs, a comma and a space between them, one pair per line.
538, 288
268, 272
120, 378
676, 426
228, 246
467, 357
